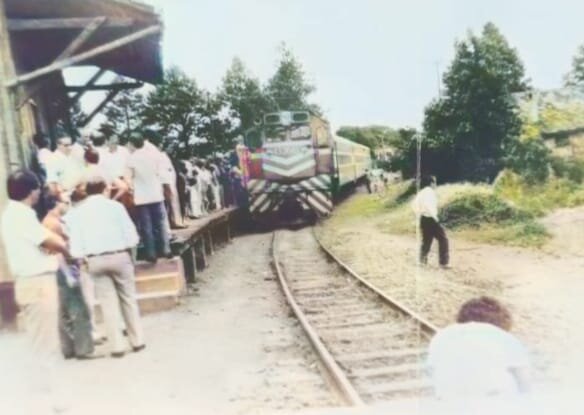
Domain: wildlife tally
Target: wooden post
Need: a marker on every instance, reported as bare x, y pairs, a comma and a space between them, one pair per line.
10, 159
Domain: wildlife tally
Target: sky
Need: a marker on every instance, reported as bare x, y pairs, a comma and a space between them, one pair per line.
372, 61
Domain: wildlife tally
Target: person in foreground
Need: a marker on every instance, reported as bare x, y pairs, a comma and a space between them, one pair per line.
478, 357
102, 233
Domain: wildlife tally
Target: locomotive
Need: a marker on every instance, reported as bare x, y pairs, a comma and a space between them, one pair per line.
293, 166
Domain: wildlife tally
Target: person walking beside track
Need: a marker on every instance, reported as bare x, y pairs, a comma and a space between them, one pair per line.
102, 233
426, 208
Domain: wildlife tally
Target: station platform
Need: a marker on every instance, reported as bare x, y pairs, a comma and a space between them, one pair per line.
159, 286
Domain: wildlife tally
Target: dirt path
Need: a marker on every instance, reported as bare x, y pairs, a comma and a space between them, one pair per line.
231, 349
543, 288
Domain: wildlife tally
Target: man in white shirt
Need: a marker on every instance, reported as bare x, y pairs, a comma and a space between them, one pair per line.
34, 270
116, 160
146, 170
102, 233
426, 208
168, 178
64, 171
478, 357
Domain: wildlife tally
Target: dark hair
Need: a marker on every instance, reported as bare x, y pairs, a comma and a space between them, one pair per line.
152, 136
21, 184
427, 181
40, 140
50, 202
95, 186
137, 140
485, 310
98, 140
91, 156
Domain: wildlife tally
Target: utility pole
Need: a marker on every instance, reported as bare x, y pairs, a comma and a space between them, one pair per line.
437, 63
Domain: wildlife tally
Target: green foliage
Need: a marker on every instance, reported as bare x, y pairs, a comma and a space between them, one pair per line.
466, 129
123, 114
374, 136
576, 75
479, 209
175, 106
289, 89
530, 158
569, 169
244, 96
404, 159
540, 198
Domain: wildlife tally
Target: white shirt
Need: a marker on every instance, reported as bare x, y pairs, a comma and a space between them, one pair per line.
23, 235
168, 174
116, 162
78, 153
146, 165
474, 360
64, 170
44, 155
426, 203
98, 225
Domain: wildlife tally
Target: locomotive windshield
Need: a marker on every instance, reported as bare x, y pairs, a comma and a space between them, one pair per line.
279, 133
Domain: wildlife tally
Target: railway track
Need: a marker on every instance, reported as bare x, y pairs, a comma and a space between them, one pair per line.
372, 347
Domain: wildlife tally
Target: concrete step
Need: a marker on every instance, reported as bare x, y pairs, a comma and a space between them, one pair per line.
159, 301
166, 275
158, 283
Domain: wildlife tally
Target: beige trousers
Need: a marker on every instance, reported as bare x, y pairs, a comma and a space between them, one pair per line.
115, 289
38, 299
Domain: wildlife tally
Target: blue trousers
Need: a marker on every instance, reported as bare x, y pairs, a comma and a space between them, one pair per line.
154, 233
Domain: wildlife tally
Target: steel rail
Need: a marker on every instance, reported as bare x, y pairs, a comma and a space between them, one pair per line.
336, 374
428, 328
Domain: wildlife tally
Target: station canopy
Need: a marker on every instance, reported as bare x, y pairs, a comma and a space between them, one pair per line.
117, 35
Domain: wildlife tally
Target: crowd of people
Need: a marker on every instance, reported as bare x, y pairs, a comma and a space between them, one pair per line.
74, 224
71, 230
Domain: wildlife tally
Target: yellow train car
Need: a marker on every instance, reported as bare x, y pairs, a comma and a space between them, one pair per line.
352, 160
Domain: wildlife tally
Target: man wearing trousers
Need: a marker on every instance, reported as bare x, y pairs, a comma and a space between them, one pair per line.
426, 208
102, 233
147, 171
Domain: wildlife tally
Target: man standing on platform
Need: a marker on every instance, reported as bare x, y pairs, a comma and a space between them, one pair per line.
145, 167
102, 233
27, 242
426, 208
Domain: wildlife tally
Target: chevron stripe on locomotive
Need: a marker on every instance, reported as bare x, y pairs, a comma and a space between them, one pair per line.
293, 165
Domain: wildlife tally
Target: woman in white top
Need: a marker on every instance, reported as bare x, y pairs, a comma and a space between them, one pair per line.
478, 357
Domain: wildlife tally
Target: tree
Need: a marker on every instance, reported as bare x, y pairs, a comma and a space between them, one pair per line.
288, 89
243, 94
576, 75
467, 130
123, 114
175, 108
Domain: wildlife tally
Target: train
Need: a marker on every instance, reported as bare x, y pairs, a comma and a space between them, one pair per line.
294, 167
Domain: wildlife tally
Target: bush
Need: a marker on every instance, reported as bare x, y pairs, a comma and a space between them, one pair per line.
568, 169
529, 158
479, 209
541, 198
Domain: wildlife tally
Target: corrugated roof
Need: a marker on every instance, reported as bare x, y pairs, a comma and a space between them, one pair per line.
34, 49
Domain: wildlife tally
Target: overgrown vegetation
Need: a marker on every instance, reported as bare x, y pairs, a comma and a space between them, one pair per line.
473, 212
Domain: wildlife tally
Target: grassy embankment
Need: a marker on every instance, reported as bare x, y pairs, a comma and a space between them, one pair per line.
505, 214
